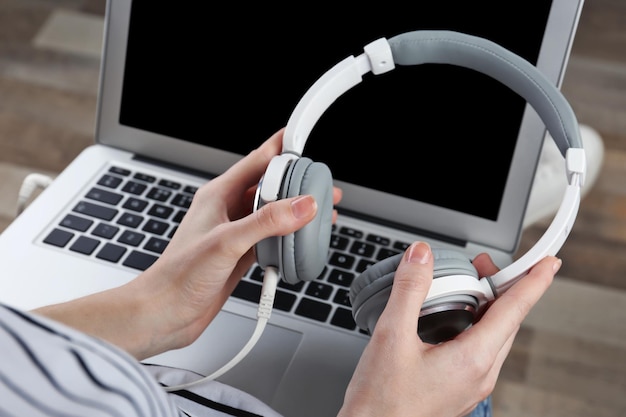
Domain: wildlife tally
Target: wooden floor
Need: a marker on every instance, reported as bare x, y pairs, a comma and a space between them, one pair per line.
570, 356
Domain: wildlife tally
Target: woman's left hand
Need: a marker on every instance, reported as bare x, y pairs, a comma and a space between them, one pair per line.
170, 304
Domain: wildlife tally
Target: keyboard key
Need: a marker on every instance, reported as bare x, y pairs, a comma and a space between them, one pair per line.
139, 260
342, 297
385, 253
401, 246
104, 230
130, 219
313, 309
144, 177
161, 211
248, 291
111, 252
182, 200
348, 231
190, 189
85, 245
119, 171
135, 204
134, 187
319, 290
363, 264
343, 278
284, 301
131, 238
362, 249
159, 194
178, 217
339, 242
170, 184
379, 240
110, 181
341, 260
77, 223
104, 196
155, 244
343, 318
251, 291
95, 210
297, 287
58, 237
156, 227
257, 274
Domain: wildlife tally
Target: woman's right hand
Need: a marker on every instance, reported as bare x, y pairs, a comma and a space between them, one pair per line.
399, 375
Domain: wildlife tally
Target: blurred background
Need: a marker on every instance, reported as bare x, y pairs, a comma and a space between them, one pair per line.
569, 358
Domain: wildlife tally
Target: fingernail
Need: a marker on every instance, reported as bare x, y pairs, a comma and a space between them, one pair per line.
303, 206
557, 265
419, 252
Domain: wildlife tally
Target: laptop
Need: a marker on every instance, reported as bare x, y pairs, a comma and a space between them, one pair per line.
434, 153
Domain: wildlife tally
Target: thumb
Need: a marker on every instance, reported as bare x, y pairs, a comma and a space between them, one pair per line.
278, 218
411, 283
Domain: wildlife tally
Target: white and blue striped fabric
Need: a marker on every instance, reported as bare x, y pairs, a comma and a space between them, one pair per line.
48, 369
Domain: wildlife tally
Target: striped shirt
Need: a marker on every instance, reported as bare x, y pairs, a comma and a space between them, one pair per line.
48, 369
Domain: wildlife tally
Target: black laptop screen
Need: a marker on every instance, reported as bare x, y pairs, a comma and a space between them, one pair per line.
230, 77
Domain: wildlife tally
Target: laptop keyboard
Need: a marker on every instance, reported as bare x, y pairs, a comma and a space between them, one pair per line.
128, 218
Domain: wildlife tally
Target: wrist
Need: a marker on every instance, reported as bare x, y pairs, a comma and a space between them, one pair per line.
160, 322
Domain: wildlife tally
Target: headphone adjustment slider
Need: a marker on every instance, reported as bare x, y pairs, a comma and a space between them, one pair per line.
576, 163
380, 57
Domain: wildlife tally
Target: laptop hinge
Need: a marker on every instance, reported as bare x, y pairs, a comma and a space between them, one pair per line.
403, 227
175, 167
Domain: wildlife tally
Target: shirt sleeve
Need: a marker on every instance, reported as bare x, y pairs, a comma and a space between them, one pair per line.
49, 369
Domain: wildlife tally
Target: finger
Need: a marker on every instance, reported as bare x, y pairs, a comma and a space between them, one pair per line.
487, 369
503, 353
245, 206
484, 265
411, 283
337, 195
507, 312
485, 383
248, 203
274, 219
247, 172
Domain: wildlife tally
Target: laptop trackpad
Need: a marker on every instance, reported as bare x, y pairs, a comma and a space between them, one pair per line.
259, 373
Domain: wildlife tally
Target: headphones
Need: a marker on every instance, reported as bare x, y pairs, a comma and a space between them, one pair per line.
457, 295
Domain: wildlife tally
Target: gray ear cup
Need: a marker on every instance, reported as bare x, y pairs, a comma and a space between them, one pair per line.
440, 319
301, 256
304, 253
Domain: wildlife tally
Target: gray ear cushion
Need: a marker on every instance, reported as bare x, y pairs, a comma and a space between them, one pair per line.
379, 277
304, 253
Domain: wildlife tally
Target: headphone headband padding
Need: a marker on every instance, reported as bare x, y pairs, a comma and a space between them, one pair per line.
482, 55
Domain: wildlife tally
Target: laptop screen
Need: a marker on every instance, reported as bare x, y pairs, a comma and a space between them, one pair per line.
430, 149
431, 133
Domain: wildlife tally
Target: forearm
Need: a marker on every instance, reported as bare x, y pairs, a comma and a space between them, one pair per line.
125, 316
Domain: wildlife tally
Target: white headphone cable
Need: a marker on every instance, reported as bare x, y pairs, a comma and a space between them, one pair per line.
32, 182
266, 303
